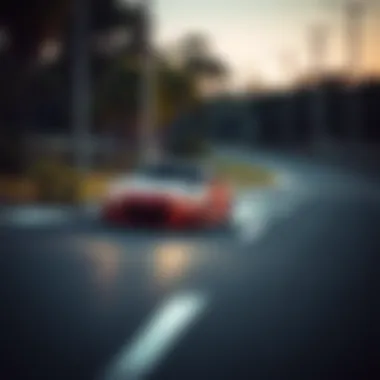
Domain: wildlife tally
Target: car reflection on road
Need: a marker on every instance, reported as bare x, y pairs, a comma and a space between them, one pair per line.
172, 261
158, 265
103, 259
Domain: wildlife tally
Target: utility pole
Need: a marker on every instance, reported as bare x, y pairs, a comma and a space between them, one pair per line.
354, 12
318, 38
289, 64
253, 121
81, 97
148, 143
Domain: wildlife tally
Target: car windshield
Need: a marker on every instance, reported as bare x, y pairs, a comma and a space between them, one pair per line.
173, 172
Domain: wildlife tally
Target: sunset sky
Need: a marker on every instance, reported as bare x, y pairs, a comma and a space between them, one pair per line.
253, 35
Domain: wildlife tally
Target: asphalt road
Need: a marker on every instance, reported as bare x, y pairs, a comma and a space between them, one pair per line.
298, 298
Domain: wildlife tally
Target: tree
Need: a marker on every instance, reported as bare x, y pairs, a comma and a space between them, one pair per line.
29, 24
199, 59
195, 58
118, 99
194, 45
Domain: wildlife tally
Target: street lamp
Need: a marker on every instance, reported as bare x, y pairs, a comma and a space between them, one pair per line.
288, 62
355, 12
319, 38
81, 99
148, 142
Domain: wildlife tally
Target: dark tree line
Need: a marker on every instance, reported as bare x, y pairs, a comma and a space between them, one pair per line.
33, 93
270, 112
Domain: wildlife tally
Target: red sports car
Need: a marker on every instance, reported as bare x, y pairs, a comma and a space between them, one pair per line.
169, 194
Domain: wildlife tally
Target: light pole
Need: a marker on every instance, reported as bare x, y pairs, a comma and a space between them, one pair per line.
318, 49
354, 10
148, 143
289, 65
81, 96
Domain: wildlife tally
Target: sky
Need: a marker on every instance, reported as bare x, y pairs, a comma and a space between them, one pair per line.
255, 37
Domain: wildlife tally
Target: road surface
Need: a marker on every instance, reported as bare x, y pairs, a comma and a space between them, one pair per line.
292, 296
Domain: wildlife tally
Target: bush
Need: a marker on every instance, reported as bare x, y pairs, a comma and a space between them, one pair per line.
192, 147
55, 181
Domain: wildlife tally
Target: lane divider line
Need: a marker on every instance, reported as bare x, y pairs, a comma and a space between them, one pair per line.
153, 342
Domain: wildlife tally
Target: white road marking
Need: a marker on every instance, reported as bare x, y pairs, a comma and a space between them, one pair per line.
137, 359
254, 212
34, 215
250, 218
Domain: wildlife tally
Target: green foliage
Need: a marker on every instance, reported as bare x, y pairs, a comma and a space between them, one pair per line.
119, 92
176, 94
190, 147
199, 59
55, 181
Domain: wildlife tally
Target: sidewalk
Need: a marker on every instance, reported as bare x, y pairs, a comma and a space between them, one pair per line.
17, 190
